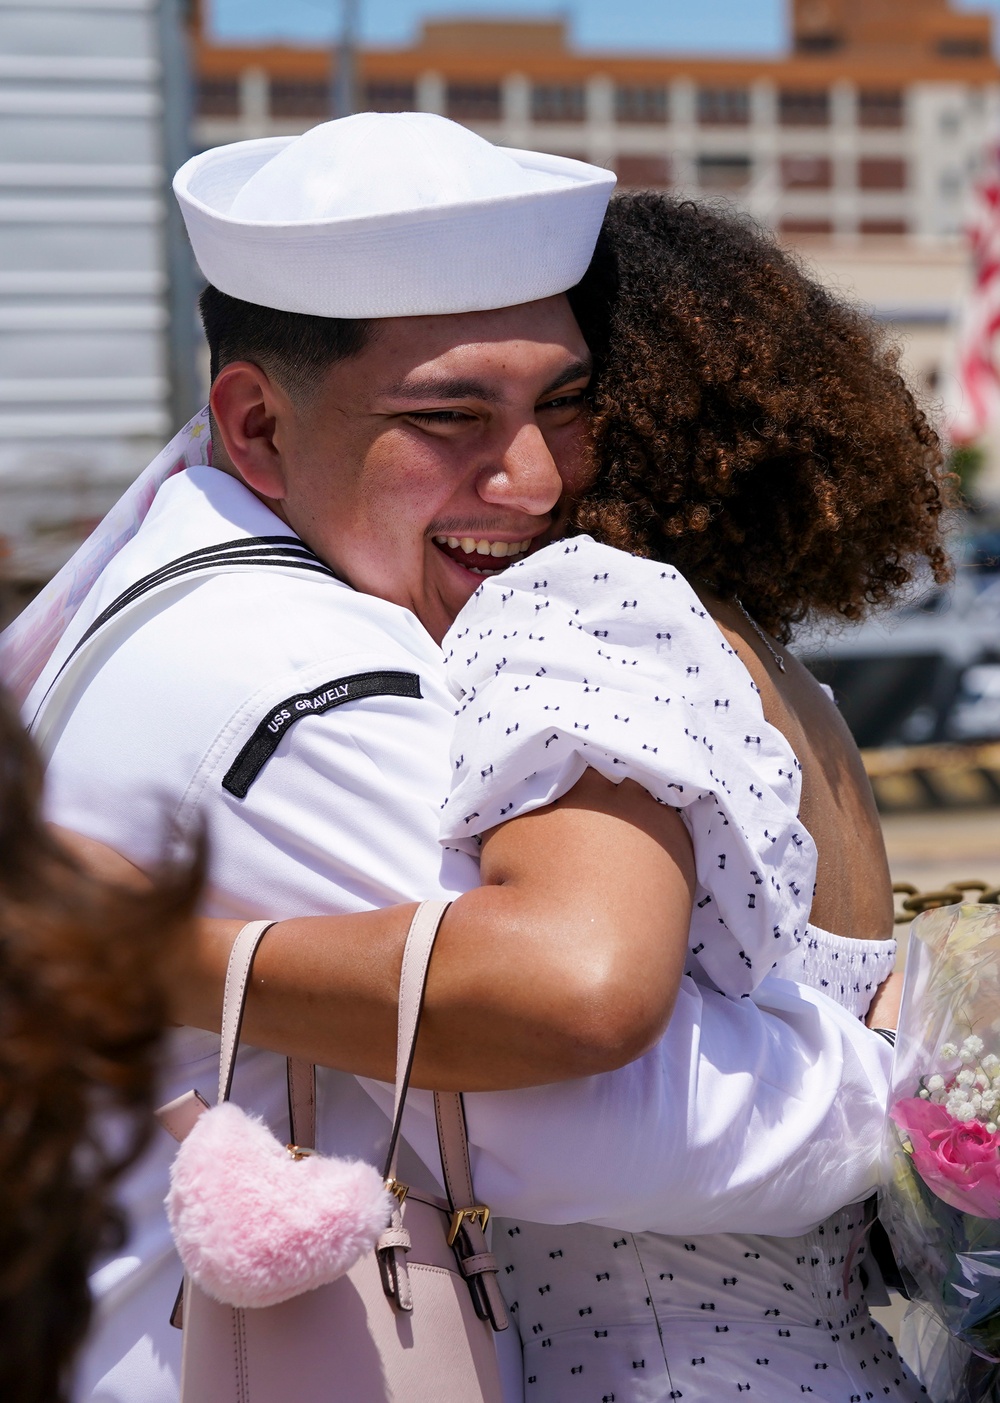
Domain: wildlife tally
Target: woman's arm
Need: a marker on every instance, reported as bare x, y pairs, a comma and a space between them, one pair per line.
564, 963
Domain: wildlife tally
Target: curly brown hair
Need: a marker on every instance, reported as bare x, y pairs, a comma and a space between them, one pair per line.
82, 1007
749, 427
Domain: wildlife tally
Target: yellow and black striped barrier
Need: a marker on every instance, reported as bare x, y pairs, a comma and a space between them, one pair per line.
934, 776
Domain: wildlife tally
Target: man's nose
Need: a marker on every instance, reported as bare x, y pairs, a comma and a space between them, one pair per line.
524, 476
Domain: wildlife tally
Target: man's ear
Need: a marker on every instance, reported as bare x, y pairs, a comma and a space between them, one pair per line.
247, 406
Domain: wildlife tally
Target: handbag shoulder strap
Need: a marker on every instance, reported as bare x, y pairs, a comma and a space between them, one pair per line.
413, 979
234, 998
469, 1219
412, 983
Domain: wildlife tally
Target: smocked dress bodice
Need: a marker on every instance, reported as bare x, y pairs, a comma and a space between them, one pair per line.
584, 656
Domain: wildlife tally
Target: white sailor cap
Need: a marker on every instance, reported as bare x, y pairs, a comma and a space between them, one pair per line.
390, 215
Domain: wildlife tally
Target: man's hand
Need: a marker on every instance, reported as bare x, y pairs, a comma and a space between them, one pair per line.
884, 1011
101, 861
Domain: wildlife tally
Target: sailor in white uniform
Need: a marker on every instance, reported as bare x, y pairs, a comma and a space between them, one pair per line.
265, 677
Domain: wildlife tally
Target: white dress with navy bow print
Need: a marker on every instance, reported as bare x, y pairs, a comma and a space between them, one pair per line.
584, 656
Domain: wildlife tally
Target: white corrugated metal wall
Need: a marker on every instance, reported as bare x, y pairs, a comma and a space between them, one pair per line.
86, 385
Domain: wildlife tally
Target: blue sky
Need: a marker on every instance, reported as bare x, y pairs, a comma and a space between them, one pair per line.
721, 26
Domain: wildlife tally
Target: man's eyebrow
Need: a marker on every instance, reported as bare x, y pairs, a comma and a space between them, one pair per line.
459, 387
445, 388
579, 370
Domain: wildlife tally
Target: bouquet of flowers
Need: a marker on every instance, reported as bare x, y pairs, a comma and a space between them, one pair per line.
941, 1203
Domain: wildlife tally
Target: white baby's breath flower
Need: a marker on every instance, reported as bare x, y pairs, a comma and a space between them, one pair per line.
949, 1050
991, 1127
966, 1077
935, 1083
972, 1047
988, 1100
965, 1112
991, 1064
924, 1094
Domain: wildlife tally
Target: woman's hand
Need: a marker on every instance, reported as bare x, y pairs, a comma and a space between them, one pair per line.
884, 1010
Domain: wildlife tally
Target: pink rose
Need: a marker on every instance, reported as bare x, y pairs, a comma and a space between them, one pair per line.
957, 1160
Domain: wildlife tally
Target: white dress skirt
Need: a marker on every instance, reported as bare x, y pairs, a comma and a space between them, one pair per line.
582, 655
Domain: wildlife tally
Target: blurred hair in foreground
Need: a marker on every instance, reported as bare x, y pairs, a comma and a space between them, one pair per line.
83, 1002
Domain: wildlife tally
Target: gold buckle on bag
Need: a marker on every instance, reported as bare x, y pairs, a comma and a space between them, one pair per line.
398, 1190
478, 1213
300, 1151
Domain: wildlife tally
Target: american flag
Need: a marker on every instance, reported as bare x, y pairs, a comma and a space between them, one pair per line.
977, 401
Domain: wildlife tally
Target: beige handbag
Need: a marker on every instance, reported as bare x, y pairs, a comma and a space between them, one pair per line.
412, 1321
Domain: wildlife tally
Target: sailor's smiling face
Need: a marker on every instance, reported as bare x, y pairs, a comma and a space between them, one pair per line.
444, 450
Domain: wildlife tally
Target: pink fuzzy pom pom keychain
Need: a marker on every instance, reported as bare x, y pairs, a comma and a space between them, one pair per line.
257, 1223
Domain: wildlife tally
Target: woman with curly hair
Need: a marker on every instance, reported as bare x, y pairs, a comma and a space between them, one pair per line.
759, 460
756, 432
83, 979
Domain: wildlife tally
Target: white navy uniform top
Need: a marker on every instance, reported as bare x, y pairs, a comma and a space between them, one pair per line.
184, 707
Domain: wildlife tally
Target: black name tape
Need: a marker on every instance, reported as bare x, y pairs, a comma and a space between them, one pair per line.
266, 738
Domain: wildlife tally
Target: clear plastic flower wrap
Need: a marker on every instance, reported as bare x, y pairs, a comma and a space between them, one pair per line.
941, 1200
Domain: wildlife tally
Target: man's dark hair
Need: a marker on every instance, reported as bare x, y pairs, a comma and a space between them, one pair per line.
291, 346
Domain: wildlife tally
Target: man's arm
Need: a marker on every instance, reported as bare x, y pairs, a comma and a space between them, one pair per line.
760, 1115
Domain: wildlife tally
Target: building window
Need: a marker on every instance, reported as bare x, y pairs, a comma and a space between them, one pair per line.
880, 107
558, 102
723, 172
296, 99
806, 226
804, 107
882, 173
962, 46
826, 43
218, 97
474, 102
641, 104
806, 172
644, 172
884, 226
723, 107
390, 97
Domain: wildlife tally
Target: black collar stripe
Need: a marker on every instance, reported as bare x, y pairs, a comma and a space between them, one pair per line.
251, 547
280, 718
247, 553
265, 545
224, 555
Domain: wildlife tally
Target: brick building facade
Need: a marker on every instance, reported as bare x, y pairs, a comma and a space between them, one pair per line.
872, 125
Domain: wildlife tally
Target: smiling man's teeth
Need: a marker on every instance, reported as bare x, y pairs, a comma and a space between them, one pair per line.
497, 549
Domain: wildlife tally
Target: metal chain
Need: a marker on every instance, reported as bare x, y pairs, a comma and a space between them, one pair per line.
760, 633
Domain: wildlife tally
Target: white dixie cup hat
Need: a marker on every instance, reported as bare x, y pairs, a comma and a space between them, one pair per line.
390, 214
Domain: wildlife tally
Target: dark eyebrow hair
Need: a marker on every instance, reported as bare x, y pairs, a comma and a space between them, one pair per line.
467, 388
433, 388
576, 371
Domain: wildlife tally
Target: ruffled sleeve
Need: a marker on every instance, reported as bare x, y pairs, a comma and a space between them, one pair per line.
582, 656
